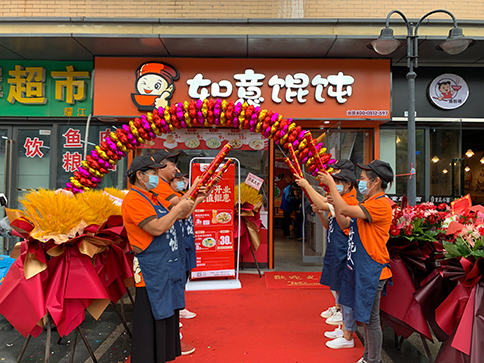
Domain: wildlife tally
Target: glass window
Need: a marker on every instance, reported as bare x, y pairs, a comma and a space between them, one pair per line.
71, 140
33, 163
393, 150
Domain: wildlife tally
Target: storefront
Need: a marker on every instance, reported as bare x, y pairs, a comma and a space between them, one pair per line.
44, 110
449, 134
342, 102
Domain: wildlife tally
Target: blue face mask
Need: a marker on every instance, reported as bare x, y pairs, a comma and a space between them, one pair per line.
339, 188
363, 187
152, 182
180, 185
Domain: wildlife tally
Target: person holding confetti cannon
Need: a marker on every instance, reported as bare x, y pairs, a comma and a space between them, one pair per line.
335, 257
159, 275
368, 259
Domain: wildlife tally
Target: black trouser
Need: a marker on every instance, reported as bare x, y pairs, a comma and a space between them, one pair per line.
286, 226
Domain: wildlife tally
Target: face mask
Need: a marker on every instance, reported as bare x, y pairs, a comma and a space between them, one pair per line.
339, 188
152, 182
363, 187
180, 185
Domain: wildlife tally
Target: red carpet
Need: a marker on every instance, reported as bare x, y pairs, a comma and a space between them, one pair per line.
257, 325
291, 280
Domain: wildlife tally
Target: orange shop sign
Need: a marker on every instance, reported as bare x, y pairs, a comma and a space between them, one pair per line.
297, 88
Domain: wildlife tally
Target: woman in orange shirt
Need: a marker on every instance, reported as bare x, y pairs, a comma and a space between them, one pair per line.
159, 273
367, 268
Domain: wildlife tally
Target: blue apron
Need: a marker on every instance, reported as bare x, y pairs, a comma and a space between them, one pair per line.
189, 234
162, 269
361, 277
335, 256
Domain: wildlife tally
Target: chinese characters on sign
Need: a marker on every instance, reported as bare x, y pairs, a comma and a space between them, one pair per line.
44, 88
254, 181
249, 84
32, 147
71, 161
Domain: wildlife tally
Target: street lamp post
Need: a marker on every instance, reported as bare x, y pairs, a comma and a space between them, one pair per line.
387, 44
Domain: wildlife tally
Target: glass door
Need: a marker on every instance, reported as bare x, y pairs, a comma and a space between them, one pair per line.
351, 144
25, 165
5, 154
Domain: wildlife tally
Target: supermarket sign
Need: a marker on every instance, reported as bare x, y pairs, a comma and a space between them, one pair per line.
45, 88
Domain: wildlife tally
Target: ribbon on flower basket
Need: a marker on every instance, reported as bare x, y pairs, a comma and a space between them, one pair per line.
71, 268
249, 228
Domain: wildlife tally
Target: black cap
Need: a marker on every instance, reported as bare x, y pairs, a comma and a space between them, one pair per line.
381, 168
163, 154
346, 175
180, 175
344, 164
141, 162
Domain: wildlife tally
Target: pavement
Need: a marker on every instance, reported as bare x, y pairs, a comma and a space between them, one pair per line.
110, 342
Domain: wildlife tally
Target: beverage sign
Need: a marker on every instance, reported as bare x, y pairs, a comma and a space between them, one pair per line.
214, 227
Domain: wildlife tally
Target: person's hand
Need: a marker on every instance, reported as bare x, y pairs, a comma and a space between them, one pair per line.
330, 199
303, 183
196, 181
185, 206
326, 178
316, 209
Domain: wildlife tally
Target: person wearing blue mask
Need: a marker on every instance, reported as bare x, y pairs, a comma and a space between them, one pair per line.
158, 270
367, 267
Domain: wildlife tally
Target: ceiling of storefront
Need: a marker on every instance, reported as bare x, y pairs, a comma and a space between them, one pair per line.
75, 39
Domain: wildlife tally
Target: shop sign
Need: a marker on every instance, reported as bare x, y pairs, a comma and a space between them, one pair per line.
448, 91
298, 88
398, 198
45, 88
254, 181
204, 139
214, 227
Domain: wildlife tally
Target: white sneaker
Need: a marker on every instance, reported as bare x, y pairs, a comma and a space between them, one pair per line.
362, 360
335, 319
339, 343
334, 334
328, 313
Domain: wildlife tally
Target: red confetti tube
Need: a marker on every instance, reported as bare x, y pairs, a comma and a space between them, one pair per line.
222, 170
211, 169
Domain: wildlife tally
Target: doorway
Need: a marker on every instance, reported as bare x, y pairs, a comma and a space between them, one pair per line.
292, 253
25, 164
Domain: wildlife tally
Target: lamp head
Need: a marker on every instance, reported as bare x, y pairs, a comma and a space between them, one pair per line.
386, 42
456, 42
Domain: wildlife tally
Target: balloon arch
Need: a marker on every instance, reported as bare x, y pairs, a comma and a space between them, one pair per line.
206, 113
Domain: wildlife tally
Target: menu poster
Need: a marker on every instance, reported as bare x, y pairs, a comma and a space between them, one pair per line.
214, 227
205, 138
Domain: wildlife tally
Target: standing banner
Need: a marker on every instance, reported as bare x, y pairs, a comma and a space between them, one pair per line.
214, 227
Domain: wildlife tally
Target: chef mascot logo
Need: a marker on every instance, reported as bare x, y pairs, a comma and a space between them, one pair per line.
154, 85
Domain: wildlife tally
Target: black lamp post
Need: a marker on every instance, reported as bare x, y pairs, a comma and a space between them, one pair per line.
386, 44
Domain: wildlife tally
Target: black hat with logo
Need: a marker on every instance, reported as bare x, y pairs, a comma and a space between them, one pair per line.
143, 162
381, 168
163, 154
346, 175
344, 164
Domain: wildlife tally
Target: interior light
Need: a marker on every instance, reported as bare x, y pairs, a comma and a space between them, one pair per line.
469, 153
436, 159
398, 140
445, 171
467, 169
482, 160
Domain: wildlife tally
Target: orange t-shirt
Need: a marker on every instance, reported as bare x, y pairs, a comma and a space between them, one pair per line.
165, 193
137, 211
375, 230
